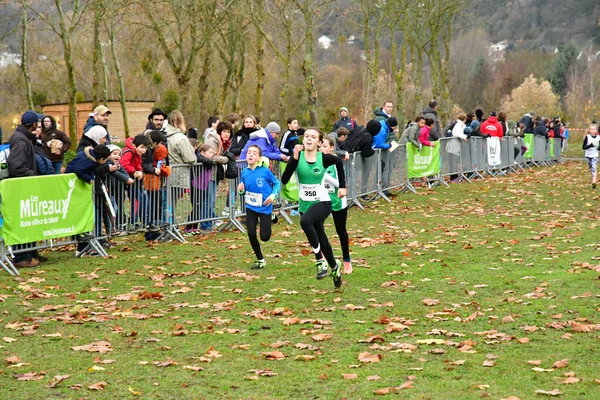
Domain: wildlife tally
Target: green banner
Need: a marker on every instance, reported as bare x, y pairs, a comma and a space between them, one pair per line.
551, 151
289, 191
45, 207
528, 142
425, 162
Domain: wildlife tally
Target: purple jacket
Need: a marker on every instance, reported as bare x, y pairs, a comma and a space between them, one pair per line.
263, 139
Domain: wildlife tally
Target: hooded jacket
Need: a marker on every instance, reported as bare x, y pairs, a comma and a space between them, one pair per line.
21, 159
359, 139
424, 136
213, 139
239, 140
492, 127
53, 133
436, 131
181, 151
380, 139
527, 122
130, 160
267, 144
411, 135
541, 129
86, 167
380, 115
344, 122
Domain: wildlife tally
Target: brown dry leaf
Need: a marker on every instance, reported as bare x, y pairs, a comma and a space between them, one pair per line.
350, 376
534, 362
407, 385
523, 340
570, 380
30, 376
431, 302
321, 337
508, 318
121, 272
304, 357
511, 398
194, 368
373, 339
457, 362
291, 321
554, 392
274, 355
561, 364
389, 284
489, 363
12, 360
99, 347
167, 363
385, 391
98, 386
367, 357
9, 339
395, 327
57, 380
278, 344
373, 378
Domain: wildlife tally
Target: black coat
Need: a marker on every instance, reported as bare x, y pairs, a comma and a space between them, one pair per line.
359, 140
21, 159
240, 139
85, 142
541, 130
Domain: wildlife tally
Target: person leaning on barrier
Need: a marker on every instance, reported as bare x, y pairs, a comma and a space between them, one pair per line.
361, 139
458, 131
155, 138
21, 163
491, 126
541, 127
264, 139
338, 137
431, 112
412, 132
380, 139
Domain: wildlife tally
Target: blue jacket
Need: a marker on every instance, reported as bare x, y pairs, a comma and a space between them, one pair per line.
263, 139
84, 165
259, 182
380, 140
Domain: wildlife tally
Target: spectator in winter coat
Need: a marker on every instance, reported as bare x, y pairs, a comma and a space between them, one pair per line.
459, 127
384, 112
339, 136
426, 131
361, 139
180, 150
100, 116
242, 136
502, 117
430, 112
94, 136
491, 126
266, 142
479, 115
527, 121
380, 140
291, 137
591, 143
212, 126
156, 119
412, 132
55, 142
155, 138
345, 121
89, 162
540, 128
214, 138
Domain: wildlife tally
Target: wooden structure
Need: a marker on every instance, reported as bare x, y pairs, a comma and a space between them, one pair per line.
137, 112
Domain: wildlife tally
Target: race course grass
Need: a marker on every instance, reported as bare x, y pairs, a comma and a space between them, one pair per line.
480, 290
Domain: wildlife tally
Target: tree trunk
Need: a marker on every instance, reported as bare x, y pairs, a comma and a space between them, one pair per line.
113, 50
260, 68
280, 111
238, 80
105, 81
203, 84
66, 42
24, 56
400, 73
308, 69
418, 54
446, 105
96, 67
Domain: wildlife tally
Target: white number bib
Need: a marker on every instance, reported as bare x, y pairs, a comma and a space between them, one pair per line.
253, 199
314, 192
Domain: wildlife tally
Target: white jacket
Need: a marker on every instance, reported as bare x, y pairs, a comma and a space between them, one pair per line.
459, 130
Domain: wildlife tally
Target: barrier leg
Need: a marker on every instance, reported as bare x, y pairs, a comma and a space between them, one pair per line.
6, 263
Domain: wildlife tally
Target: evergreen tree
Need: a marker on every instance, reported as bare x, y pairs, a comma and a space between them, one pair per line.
559, 76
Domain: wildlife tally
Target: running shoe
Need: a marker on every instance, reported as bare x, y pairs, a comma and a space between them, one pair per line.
322, 268
259, 264
347, 267
336, 273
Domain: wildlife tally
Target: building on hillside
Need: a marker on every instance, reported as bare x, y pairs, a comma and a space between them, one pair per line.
497, 51
137, 113
7, 59
325, 42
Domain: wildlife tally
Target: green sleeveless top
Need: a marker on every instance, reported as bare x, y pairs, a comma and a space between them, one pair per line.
337, 204
310, 182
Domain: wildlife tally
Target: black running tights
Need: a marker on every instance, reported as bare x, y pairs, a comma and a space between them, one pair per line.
312, 225
252, 219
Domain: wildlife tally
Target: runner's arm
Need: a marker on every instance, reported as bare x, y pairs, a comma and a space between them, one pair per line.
328, 161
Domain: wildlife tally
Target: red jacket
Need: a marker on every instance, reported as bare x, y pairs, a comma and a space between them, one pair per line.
424, 136
130, 160
491, 127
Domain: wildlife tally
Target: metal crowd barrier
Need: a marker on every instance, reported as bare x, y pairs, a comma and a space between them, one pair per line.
192, 200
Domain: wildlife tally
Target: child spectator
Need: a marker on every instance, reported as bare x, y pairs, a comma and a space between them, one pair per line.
424, 133
412, 132
459, 127
387, 126
590, 145
154, 185
131, 160
291, 137
260, 188
338, 137
116, 182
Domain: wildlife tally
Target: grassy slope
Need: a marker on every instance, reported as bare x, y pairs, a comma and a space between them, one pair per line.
511, 247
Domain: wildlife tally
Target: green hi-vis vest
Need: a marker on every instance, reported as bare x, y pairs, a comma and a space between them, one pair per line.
337, 204
310, 182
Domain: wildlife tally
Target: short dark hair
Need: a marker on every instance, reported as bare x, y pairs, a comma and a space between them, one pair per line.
257, 147
432, 104
156, 137
211, 120
429, 121
341, 131
205, 147
257, 119
101, 152
140, 139
388, 101
418, 118
224, 126
291, 119
233, 118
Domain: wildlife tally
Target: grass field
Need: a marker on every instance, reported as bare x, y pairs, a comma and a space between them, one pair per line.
478, 290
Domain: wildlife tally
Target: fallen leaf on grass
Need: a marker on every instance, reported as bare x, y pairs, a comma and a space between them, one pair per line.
263, 372
457, 362
571, 380
291, 321
350, 376
511, 398
9, 339
57, 380
489, 363
30, 376
133, 391
193, 368
12, 360
367, 357
97, 386
431, 302
534, 362
561, 364
274, 355
373, 339
99, 347
304, 357
166, 363
373, 378
554, 392
321, 337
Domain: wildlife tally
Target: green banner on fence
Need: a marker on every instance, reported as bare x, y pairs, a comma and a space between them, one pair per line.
425, 162
45, 207
528, 142
551, 151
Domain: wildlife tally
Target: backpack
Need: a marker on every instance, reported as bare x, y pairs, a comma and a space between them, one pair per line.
4, 152
448, 129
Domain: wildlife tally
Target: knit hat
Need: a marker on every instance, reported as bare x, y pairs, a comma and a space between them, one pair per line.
373, 127
160, 152
113, 147
96, 133
343, 108
101, 151
273, 127
392, 122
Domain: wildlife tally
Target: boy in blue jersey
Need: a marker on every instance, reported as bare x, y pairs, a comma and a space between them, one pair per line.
259, 187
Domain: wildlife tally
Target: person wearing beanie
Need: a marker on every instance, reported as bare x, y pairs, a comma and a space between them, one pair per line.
156, 119
345, 121
266, 140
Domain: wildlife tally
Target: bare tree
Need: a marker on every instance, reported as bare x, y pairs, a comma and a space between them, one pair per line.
24, 55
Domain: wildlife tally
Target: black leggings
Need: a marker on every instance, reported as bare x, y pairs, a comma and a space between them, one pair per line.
339, 219
312, 225
252, 218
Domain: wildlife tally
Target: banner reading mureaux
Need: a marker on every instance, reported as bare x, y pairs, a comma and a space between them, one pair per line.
45, 207
528, 142
425, 162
